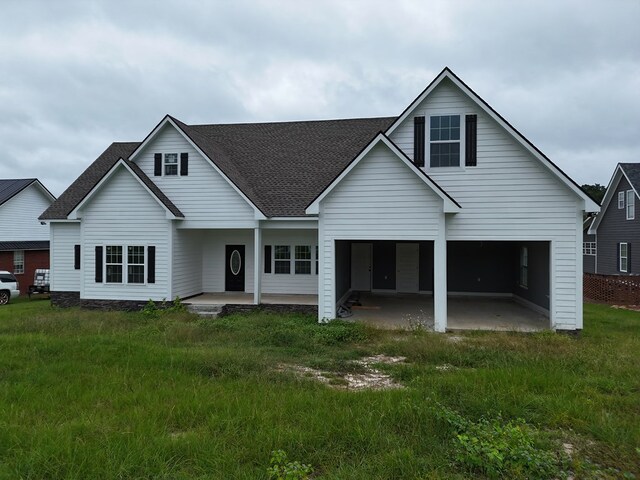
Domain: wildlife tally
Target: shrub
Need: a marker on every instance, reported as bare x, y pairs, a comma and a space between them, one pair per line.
500, 449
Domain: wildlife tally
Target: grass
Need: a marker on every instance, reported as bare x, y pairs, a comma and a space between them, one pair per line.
123, 395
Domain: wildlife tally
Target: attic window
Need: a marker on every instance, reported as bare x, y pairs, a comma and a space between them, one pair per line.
444, 138
171, 164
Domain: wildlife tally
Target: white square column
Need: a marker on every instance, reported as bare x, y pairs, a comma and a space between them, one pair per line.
440, 277
257, 265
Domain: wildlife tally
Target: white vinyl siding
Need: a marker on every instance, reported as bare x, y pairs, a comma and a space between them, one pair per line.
122, 212
213, 258
64, 237
380, 199
509, 195
19, 216
204, 197
186, 277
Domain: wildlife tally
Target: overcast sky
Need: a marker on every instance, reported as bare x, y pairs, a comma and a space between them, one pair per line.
76, 76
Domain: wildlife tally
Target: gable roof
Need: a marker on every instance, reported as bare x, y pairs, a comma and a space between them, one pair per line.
140, 176
590, 204
11, 187
281, 169
630, 171
450, 205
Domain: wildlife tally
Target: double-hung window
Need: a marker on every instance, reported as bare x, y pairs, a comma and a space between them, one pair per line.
631, 205
620, 200
18, 262
135, 264
171, 164
444, 138
113, 264
303, 260
282, 259
623, 257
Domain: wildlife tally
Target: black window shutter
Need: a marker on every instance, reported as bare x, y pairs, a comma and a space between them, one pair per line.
151, 264
157, 170
267, 259
184, 164
471, 141
418, 141
76, 257
98, 264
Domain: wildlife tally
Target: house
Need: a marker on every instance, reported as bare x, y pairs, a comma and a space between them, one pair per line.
589, 246
616, 228
446, 198
24, 240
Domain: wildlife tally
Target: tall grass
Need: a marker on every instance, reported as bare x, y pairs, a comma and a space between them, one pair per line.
120, 395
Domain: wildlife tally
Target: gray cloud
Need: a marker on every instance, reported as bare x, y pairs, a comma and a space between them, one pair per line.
77, 75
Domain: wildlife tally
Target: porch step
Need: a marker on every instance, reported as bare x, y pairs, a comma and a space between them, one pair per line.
208, 311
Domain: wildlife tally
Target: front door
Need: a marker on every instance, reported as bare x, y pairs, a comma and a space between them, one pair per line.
234, 270
361, 267
407, 267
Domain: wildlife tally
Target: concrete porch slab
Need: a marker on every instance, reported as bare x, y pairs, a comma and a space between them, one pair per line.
241, 298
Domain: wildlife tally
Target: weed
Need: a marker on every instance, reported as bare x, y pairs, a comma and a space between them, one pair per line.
502, 449
283, 469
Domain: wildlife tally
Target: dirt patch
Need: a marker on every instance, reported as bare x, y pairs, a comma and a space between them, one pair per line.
370, 379
445, 367
455, 338
635, 308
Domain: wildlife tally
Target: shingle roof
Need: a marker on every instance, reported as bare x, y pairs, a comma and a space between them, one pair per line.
632, 171
280, 167
25, 245
10, 188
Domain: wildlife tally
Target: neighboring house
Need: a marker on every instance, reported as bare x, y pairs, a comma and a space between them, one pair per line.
446, 198
616, 229
24, 240
589, 247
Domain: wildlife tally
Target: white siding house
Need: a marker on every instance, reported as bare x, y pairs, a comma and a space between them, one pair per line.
447, 198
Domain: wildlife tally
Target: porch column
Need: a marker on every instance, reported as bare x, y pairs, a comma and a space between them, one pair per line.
440, 277
257, 265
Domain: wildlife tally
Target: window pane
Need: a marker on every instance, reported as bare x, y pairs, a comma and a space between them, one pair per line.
303, 252
114, 273
135, 255
282, 252
135, 273
114, 254
281, 266
170, 158
303, 267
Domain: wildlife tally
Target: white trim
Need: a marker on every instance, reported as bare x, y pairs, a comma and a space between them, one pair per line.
449, 205
73, 215
630, 197
257, 265
167, 119
589, 205
461, 141
620, 257
125, 263
620, 200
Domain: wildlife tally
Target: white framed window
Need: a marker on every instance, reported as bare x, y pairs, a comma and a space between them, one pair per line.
18, 262
524, 267
444, 141
113, 263
135, 264
589, 248
302, 260
631, 205
170, 164
623, 257
620, 200
124, 264
282, 259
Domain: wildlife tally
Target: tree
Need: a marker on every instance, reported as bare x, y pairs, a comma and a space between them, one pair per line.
596, 191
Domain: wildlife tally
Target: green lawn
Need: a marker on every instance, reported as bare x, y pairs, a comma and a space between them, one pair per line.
127, 395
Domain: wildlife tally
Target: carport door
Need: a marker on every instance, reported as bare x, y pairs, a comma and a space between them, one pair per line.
361, 267
407, 267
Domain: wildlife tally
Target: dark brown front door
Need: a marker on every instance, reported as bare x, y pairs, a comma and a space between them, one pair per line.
234, 270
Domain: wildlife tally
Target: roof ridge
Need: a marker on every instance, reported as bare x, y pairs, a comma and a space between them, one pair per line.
284, 122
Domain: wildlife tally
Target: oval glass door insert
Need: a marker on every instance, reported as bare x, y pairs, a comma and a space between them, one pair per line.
235, 262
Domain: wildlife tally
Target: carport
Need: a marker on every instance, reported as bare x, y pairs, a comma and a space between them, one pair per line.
491, 285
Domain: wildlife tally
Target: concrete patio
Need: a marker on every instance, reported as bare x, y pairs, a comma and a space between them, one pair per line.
408, 310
